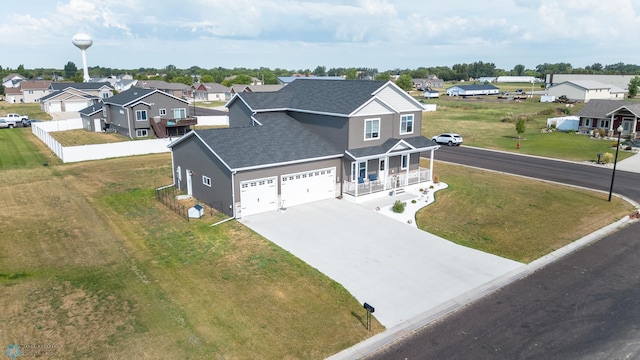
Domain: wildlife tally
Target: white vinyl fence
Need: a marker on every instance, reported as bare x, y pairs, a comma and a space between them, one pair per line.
93, 152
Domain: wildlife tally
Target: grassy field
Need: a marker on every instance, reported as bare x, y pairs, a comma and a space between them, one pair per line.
92, 266
512, 217
32, 110
490, 123
83, 137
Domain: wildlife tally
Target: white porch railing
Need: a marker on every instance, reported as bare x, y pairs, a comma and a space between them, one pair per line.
395, 181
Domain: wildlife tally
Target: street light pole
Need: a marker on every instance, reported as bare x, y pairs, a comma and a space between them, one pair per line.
615, 161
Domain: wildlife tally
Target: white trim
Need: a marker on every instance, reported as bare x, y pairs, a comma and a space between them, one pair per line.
146, 115
144, 132
378, 132
412, 124
161, 111
206, 180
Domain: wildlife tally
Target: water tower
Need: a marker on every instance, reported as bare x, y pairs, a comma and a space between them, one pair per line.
83, 42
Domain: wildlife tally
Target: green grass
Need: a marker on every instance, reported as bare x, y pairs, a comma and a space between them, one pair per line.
16, 151
32, 110
513, 217
489, 123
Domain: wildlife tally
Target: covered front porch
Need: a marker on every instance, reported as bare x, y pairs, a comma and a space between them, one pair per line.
390, 171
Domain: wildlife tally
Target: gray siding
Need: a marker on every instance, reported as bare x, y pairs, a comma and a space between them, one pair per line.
389, 128
193, 155
331, 128
239, 115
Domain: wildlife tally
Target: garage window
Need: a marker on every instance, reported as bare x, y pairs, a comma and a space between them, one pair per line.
206, 180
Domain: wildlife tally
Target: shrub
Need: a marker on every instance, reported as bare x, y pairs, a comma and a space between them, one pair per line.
606, 158
413, 201
614, 144
602, 132
398, 207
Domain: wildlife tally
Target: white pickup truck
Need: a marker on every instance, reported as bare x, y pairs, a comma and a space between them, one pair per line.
12, 120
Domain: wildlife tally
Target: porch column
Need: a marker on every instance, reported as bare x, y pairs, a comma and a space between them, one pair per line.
406, 172
431, 166
386, 173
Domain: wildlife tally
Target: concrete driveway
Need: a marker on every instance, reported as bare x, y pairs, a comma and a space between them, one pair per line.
401, 271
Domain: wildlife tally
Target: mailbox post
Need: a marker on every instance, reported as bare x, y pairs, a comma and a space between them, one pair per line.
369, 309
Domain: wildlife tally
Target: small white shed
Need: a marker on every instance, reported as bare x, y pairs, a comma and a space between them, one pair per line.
564, 123
196, 211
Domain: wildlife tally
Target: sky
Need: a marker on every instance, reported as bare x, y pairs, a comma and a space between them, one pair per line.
304, 34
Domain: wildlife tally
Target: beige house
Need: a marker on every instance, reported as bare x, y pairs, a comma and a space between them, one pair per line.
33, 90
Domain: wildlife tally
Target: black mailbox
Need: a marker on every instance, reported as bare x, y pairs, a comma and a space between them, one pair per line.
369, 308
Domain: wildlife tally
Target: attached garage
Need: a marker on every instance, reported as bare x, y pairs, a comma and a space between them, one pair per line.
305, 187
259, 195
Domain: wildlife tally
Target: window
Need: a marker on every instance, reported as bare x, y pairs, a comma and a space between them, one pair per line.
406, 124
405, 161
206, 180
179, 113
371, 129
142, 132
362, 169
604, 124
141, 115
163, 112
587, 122
105, 95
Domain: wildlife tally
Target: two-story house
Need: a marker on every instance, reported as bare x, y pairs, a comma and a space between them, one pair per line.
72, 97
311, 140
141, 112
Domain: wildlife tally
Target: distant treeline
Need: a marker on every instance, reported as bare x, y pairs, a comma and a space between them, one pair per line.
221, 75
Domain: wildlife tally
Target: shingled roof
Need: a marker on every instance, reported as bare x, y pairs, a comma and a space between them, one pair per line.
280, 139
329, 96
600, 109
80, 85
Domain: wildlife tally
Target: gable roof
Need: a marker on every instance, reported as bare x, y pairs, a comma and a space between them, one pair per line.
211, 87
279, 140
69, 92
391, 145
13, 76
34, 84
328, 97
80, 86
92, 109
585, 84
162, 85
600, 108
134, 94
475, 87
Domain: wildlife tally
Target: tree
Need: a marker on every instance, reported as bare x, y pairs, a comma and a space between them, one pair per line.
521, 127
518, 70
385, 76
320, 71
405, 82
351, 74
70, 70
634, 83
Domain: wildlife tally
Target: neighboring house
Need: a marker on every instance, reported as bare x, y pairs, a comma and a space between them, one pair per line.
12, 80
608, 115
33, 90
517, 79
13, 95
176, 89
72, 97
254, 88
209, 92
472, 90
311, 140
92, 118
585, 90
139, 112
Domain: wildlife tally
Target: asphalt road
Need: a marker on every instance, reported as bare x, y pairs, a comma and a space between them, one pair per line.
585, 306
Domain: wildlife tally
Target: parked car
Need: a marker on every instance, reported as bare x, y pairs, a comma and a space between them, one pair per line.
27, 122
4, 123
448, 138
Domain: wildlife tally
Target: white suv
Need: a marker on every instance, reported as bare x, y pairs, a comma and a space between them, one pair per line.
448, 138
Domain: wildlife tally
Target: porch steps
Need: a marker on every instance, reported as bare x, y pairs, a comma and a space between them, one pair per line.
399, 191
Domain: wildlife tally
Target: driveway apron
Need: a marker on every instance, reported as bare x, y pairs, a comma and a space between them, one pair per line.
399, 270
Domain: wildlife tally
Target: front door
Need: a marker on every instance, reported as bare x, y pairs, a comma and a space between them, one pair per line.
627, 126
189, 182
382, 173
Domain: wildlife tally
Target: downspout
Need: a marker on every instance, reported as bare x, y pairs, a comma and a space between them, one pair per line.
233, 202
128, 121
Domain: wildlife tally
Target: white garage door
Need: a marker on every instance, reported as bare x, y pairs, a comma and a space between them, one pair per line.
54, 107
258, 196
308, 186
75, 106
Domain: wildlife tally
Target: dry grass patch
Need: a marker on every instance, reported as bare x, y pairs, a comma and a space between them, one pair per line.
84, 137
513, 217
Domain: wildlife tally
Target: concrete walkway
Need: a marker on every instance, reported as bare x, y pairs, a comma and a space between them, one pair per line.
390, 264
631, 164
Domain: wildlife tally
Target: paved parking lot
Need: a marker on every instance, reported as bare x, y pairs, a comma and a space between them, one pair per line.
401, 271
